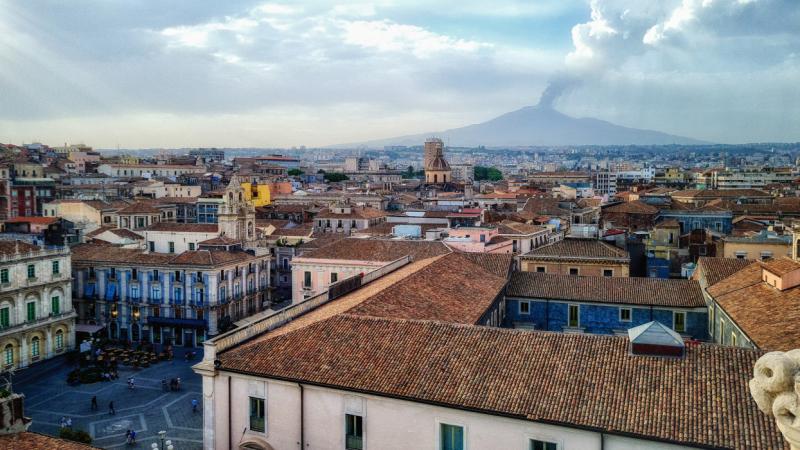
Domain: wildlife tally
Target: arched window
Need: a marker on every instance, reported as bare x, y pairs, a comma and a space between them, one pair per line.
250, 229
35, 346
59, 339
8, 355
435, 178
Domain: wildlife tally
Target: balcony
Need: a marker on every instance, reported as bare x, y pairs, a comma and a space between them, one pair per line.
28, 325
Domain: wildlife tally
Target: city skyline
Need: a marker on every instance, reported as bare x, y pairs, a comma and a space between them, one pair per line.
256, 74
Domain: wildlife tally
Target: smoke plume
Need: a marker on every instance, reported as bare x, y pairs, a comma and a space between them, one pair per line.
558, 86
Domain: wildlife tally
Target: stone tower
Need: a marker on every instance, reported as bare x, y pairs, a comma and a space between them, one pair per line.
236, 217
437, 169
433, 146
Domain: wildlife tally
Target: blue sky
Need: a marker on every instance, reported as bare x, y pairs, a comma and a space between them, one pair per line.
253, 73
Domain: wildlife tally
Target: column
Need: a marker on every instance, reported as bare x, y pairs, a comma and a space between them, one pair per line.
48, 342
23, 353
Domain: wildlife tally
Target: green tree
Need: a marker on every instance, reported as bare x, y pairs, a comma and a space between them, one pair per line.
295, 172
335, 177
487, 173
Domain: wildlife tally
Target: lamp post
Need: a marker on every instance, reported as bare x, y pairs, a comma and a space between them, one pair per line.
162, 435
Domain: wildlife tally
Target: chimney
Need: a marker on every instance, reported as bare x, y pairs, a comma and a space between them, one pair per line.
12, 418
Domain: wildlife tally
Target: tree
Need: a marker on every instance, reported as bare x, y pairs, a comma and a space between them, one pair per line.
335, 177
295, 172
487, 173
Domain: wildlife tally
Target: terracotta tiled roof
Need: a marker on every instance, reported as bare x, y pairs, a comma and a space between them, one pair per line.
634, 207
98, 231
33, 219
498, 264
584, 381
768, 316
720, 193
35, 441
139, 208
780, 266
219, 240
211, 257
669, 223
713, 270
578, 248
451, 289
124, 233
90, 254
514, 227
356, 212
12, 247
184, 227
354, 249
630, 291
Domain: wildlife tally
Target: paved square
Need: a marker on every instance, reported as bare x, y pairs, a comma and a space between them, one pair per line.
146, 409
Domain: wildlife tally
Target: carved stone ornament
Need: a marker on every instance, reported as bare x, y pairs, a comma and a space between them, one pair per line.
776, 389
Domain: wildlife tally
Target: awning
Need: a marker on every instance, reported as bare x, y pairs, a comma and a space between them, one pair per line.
88, 328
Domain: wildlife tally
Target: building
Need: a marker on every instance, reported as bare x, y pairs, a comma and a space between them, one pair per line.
148, 170
571, 256
604, 305
635, 215
347, 219
701, 197
714, 219
315, 271
605, 183
762, 245
478, 239
663, 249
37, 321
752, 178
463, 173
524, 237
429, 383
754, 306
208, 155
437, 169
179, 298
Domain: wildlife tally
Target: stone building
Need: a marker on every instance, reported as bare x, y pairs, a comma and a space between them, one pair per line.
585, 257
437, 169
37, 321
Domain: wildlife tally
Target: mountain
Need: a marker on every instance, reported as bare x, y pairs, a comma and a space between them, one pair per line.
535, 126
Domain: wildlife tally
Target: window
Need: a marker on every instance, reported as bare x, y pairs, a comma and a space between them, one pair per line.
573, 320
134, 292
541, 269
543, 445
178, 276
140, 222
354, 432
741, 255
733, 339
711, 321
55, 303
151, 245
525, 308
451, 437
134, 274
156, 311
35, 346
112, 273
624, 314
8, 356
31, 311
191, 246
171, 246
5, 318
679, 321
766, 255
573, 270
56, 268
155, 275
334, 277
59, 340
31, 271
608, 272
721, 331
178, 295
4, 276
257, 414
307, 279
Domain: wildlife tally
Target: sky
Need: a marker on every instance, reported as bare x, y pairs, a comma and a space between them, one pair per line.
236, 73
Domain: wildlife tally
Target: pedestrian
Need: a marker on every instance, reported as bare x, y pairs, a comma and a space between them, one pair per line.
128, 436
69, 422
133, 436
63, 422
94, 403
111, 408
164, 384
194, 405
178, 383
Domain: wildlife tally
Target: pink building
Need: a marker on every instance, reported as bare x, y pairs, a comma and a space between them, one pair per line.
478, 240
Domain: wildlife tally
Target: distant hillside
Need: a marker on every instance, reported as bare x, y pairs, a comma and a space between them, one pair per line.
537, 125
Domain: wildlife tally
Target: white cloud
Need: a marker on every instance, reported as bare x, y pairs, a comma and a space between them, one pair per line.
386, 36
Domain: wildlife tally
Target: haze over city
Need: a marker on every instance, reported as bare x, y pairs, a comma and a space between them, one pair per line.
281, 74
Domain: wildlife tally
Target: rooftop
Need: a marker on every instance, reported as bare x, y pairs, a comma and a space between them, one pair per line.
184, 227
383, 250
714, 270
578, 249
624, 290
581, 381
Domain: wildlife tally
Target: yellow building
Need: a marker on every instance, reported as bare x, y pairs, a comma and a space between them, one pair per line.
764, 245
128, 159
257, 194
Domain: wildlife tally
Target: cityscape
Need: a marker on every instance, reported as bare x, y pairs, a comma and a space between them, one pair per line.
398, 225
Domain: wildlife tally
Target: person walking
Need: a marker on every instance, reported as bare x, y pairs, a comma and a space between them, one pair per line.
69, 422
94, 403
194, 405
111, 408
63, 422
